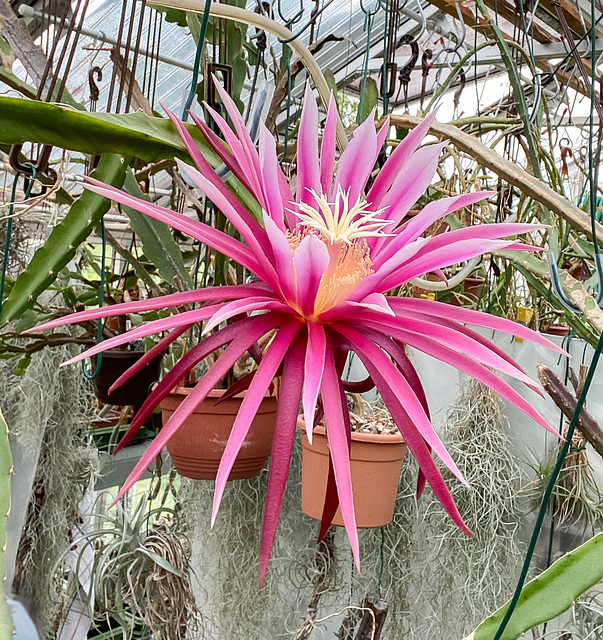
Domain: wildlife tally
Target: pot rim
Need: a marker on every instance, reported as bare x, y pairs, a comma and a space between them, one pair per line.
179, 390
377, 438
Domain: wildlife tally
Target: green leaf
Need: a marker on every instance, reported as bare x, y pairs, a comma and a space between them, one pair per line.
62, 244
371, 96
174, 16
157, 241
161, 561
133, 134
550, 594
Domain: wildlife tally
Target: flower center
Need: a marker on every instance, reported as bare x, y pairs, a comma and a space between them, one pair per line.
344, 230
338, 222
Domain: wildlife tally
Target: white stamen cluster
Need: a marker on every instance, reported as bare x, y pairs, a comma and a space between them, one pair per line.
338, 222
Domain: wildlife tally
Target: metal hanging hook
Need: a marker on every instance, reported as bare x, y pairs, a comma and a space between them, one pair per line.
556, 283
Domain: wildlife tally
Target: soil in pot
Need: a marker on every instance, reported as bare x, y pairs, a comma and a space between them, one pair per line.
375, 462
135, 391
197, 446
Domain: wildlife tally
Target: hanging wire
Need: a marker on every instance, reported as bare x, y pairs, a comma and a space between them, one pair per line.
193, 90
101, 297
549, 490
9, 223
369, 15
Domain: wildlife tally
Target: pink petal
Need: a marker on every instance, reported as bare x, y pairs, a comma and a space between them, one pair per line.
382, 136
251, 403
462, 362
308, 170
403, 391
270, 170
410, 184
327, 149
216, 372
373, 302
231, 309
283, 260
311, 260
225, 154
357, 161
478, 318
213, 187
217, 240
186, 318
150, 355
415, 442
337, 438
392, 168
313, 372
456, 339
216, 294
431, 213
282, 448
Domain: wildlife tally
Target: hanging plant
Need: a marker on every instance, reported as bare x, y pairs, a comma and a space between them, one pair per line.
323, 261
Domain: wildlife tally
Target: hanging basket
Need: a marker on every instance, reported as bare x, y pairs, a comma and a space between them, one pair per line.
375, 463
134, 391
197, 446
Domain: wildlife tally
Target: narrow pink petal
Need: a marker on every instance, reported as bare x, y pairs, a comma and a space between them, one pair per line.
382, 136
397, 160
216, 372
149, 356
244, 137
327, 149
282, 448
462, 362
231, 309
217, 240
251, 403
337, 438
283, 260
415, 442
189, 143
311, 260
238, 150
478, 318
431, 213
455, 339
308, 170
270, 170
445, 257
213, 187
400, 386
215, 294
357, 161
374, 302
226, 155
186, 318
410, 184
313, 371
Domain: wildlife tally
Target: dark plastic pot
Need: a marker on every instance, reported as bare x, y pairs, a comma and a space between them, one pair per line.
133, 392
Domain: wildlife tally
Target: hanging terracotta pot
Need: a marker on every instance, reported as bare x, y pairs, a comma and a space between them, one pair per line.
559, 330
134, 391
197, 446
375, 463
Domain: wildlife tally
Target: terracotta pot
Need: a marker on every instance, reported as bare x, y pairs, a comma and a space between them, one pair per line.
375, 462
133, 392
197, 446
473, 287
559, 330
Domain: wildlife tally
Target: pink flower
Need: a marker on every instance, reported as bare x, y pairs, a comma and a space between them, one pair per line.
324, 261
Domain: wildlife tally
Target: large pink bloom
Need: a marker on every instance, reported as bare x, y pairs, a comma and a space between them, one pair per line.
323, 260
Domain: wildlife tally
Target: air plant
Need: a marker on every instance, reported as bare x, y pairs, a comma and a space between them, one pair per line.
324, 261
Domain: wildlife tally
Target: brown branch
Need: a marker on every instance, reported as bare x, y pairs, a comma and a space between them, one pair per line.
567, 402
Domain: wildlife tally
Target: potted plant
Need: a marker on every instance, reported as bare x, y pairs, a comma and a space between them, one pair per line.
323, 260
377, 450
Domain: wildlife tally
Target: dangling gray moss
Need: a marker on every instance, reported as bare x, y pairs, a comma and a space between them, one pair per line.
438, 583
54, 404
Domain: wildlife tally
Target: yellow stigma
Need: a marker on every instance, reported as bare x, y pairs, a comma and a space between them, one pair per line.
337, 222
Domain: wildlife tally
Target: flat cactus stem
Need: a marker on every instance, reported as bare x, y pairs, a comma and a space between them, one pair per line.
6, 470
